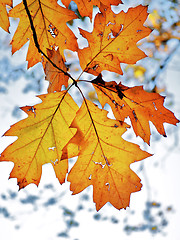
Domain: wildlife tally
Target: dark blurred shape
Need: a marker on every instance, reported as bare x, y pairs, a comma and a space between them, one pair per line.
85, 197
72, 223
16, 112
67, 212
97, 216
154, 219
114, 220
30, 199
63, 234
3, 90
3, 196
12, 195
4, 212
48, 186
50, 202
80, 207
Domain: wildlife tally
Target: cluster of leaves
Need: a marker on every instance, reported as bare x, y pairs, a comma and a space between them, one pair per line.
58, 129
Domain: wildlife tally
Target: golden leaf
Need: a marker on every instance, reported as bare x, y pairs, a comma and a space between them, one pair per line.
104, 158
49, 20
41, 138
136, 103
4, 20
113, 40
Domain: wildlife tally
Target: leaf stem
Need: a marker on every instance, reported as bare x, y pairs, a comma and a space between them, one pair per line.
98, 138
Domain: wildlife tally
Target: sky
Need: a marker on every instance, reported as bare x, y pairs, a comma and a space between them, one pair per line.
51, 212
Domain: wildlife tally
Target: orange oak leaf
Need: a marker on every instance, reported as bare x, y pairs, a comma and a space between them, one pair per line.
104, 158
4, 20
85, 7
139, 105
113, 40
49, 20
55, 77
41, 138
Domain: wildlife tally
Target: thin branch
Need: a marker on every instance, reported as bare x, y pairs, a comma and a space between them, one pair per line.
74, 81
165, 63
38, 46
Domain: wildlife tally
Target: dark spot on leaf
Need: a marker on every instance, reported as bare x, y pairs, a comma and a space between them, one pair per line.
120, 93
134, 114
99, 80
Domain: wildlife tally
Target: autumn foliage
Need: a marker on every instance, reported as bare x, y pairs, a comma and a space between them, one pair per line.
58, 129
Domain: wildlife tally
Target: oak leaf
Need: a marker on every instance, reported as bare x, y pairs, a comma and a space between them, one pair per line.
113, 40
57, 129
140, 106
55, 77
104, 158
85, 7
41, 138
4, 20
49, 20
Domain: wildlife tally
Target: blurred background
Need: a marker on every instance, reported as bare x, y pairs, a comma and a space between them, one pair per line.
50, 211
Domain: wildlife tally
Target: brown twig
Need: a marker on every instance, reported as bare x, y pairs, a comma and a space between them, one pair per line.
38, 46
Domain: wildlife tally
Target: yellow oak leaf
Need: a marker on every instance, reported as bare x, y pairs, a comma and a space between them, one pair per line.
113, 40
55, 77
41, 138
104, 158
4, 20
49, 20
140, 106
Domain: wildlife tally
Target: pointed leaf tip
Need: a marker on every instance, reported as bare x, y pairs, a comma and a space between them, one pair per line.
140, 106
